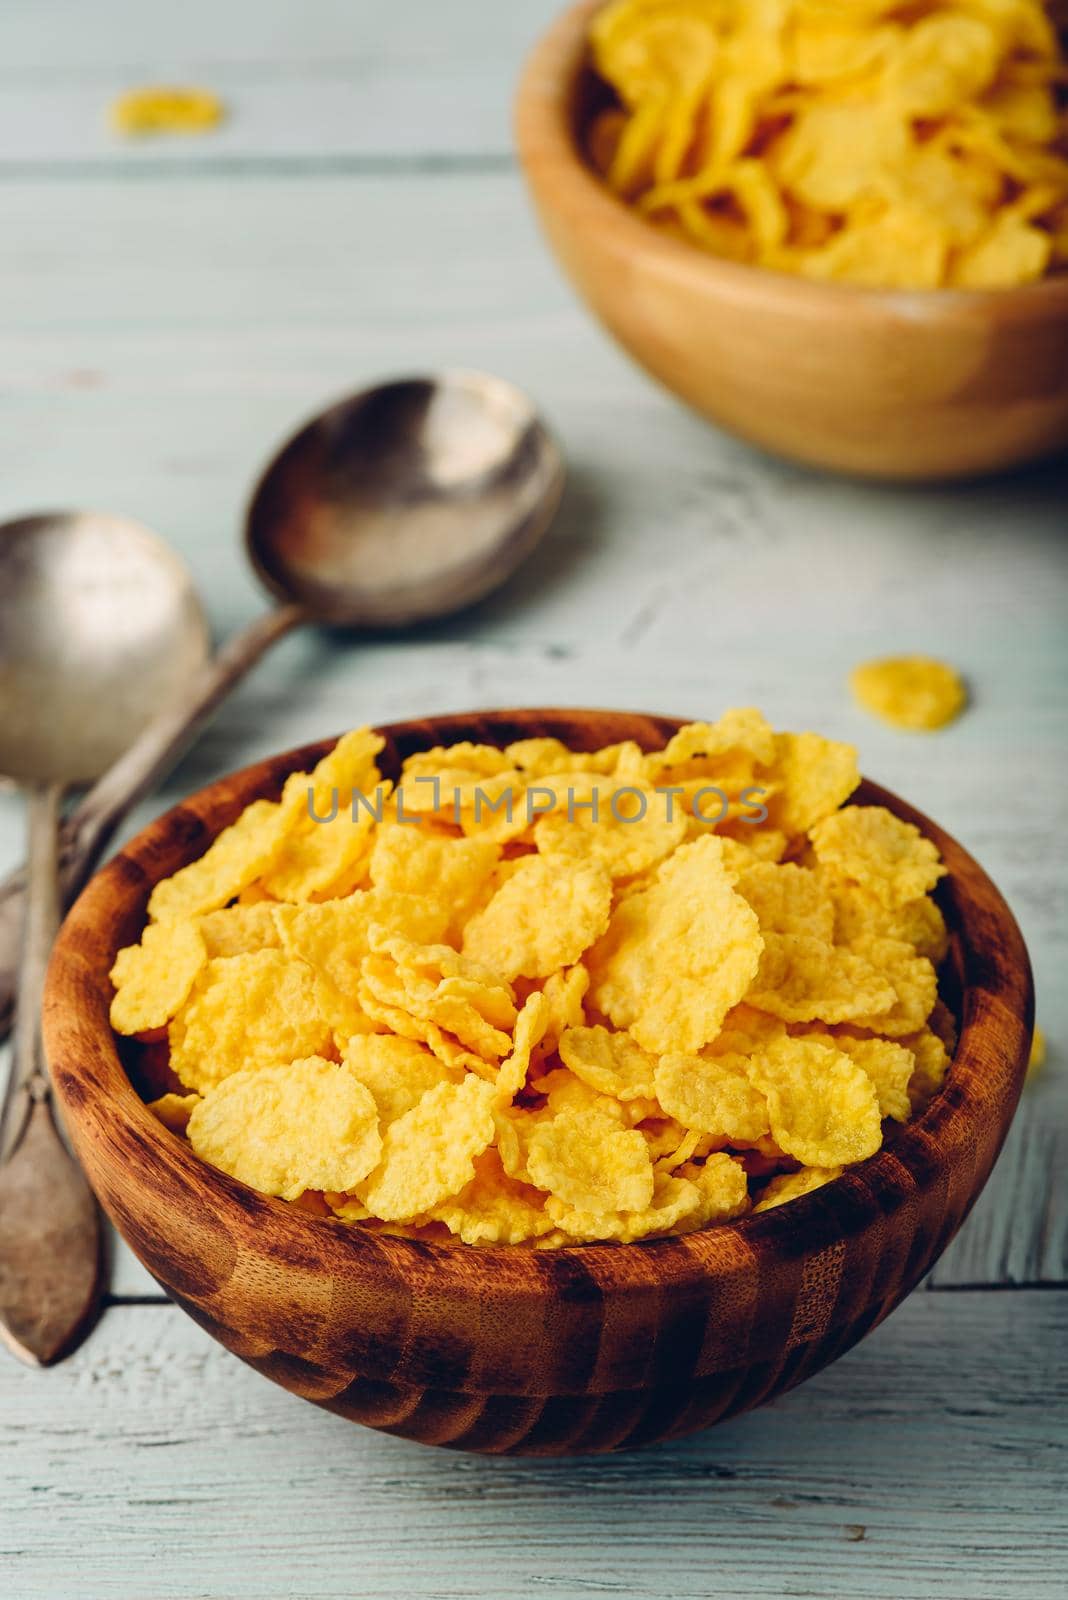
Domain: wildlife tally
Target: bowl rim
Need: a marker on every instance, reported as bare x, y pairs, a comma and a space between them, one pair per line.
986, 1073
545, 137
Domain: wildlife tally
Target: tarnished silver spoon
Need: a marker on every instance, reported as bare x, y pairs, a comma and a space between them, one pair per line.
99, 627
404, 503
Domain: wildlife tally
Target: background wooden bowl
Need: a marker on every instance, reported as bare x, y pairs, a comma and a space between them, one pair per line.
931, 384
508, 1349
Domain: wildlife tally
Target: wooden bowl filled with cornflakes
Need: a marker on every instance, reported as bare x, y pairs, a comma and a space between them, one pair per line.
540, 1081
838, 231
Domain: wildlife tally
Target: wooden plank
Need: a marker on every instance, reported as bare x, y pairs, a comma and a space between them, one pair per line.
931, 1461
206, 321
338, 79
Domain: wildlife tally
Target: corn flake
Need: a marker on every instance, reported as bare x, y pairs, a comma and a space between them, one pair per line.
493, 1208
428, 1154
914, 692
792, 1185
307, 1124
235, 860
397, 1071
805, 979
712, 1094
612, 1063
240, 929
247, 1012
590, 1163
547, 913
868, 845
822, 1106
679, 954
174, 1110
153, 979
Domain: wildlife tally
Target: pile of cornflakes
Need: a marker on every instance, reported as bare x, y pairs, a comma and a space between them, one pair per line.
896, 145
535, 995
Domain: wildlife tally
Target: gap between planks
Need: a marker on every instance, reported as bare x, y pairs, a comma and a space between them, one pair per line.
223, 168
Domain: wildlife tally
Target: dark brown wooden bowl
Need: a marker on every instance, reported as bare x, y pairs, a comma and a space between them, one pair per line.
587, 1348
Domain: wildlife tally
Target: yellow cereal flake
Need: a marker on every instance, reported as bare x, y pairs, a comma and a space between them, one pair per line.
712, 1094
913, 692
889, 1065
308, 1124
530, 1026
744, 1030
929, 1073
804, 979
165, 109
446, 874
590, 1163
247, 1012
436, 985
736, 745
564, 991
914, 982
681, 1149
823, 1107
868, 845
635, 827
428, 1154
474, 760
153, 979
493, 1208
240, 929
237, 858
679, 954
721, 1186
859, 917
816, 776
174, 1110
612, 1063
713, 1193
544, 917
448, 1049
540, 758
329, 817
792, 1185
677, 1205
787, 899
333, 936
1037, 1058
563, 1091
397, 1071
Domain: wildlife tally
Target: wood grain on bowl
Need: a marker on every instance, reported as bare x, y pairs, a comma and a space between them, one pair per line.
933, 384
507, 1349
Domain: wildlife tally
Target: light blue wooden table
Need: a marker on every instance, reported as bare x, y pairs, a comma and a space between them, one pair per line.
167, 312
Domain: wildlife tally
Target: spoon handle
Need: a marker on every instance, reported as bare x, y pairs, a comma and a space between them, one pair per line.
90, 827
50, 1258
28, 1078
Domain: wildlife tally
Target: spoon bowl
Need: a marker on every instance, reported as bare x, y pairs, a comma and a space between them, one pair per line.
405, 502
100, 627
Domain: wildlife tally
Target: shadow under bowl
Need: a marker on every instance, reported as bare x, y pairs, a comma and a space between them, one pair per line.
587, 1348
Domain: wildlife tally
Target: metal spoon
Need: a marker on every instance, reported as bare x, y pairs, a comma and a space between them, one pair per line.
403, 503
99, 627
